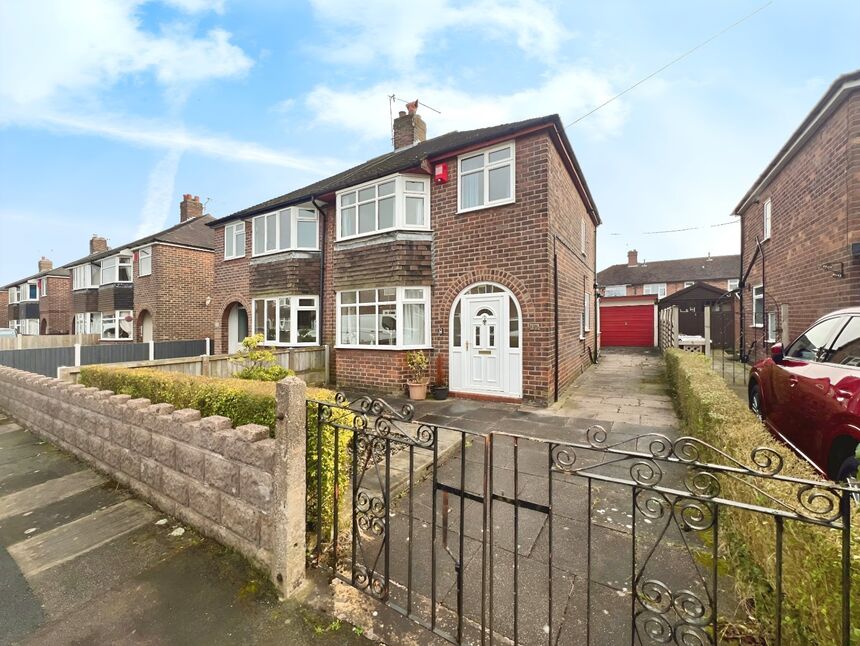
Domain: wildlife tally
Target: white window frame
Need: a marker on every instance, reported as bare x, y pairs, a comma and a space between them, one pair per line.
88, 323
292, 212
43, 286
235, 231
25, 296
771, 327
121, 261
767, 218
586, 314
115, 318
86, 272
510, 161
13, 295
400, 195
399, 301
648, 290
610, 290
689, 283
732, 284
755, 298
28, 327
144, 253
295, 307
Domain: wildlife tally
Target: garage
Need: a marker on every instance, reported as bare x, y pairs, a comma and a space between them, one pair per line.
628, 321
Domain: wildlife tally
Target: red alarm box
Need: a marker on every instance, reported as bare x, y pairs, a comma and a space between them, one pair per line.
440, 174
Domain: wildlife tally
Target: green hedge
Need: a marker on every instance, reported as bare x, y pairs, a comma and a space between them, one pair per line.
811, 556
244, 402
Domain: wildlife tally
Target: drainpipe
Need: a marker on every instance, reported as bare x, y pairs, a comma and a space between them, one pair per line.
555, 309
595, 296
741, 286
321, 316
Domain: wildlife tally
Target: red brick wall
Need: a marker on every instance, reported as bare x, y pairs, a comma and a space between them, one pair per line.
810, 225
55, 308
4, 308
232, 285
175, 294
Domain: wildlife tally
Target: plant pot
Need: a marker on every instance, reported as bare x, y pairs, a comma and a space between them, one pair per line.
440, 392
417, 391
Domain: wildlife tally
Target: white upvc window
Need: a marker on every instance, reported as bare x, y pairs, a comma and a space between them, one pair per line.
234, 240
116, 269
144, 261
290, 229
387, 317
758, 305
486, 178
583, 241
388, 204
85, 276
43, 286
13, 295
771, 327
586, 313
29, 292
689, 283
29, 327
732, 284
615, 290
655, 289
766, 213
117, 326
88, 323
286, 320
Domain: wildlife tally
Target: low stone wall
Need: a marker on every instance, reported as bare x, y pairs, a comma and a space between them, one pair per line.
220, 480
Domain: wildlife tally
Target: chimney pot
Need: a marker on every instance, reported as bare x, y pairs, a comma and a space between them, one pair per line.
409, 129
632, 258
190, 207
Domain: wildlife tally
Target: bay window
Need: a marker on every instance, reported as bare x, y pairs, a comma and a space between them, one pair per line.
29, 327
486, 178
13, 295
88, 323
144, 261
116, 269
85, 276
293, 228
30, 292
286, 320
396, 202
234, 240
116, 326
389, 317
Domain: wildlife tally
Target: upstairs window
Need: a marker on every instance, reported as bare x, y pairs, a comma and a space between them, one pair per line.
13, 295
85, 276
116, 270
732, 284
766, 216
43, 287
655, 289
688, 283
144, 261
615, 290
486, 178
30, 292
290, 229
234, 240
399, 202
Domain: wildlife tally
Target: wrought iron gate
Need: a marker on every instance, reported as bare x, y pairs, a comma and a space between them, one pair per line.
513, 538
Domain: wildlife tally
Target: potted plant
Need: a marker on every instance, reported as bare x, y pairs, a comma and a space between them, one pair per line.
418, 364
440, 388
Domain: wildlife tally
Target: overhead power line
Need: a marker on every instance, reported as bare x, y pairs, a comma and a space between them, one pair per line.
670, 63
704, 226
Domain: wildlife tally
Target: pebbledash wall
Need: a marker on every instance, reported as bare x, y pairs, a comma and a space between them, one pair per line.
235, 485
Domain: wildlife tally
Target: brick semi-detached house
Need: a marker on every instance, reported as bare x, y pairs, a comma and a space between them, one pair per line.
662, 278
800, 224
157, 288
476, 246
39, 304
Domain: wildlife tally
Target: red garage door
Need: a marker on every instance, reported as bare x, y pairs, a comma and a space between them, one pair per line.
627, 325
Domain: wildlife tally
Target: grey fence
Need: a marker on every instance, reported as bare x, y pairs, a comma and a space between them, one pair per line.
46, 361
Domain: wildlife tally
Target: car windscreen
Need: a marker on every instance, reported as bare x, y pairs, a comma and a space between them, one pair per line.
846, 348
810, 345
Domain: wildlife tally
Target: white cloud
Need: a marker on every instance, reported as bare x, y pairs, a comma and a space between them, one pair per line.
159, 194
197, 6
570, 93
397, 32
55, 46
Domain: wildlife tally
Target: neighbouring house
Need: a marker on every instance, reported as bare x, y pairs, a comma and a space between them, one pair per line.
800, 224
157, 288
4, 307
39, 304
661, 278
477, 247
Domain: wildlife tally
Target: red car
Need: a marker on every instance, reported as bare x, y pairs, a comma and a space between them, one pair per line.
808, 394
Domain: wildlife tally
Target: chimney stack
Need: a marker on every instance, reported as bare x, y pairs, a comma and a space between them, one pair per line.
409, 127
190, 207
632, 258
45, 265
97, 244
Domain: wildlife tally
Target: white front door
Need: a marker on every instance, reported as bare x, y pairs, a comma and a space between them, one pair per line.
483, 341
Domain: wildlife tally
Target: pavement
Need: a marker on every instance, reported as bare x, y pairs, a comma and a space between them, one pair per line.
568, 565
84, 562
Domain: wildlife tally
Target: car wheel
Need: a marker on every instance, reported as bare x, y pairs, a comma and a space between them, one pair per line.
841, 455
755, 400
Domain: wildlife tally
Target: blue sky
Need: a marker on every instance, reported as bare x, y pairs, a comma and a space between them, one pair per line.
111, 110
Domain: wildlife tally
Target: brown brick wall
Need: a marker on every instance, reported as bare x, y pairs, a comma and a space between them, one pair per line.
55, 308
175, 294
232, 285
810, 225
4, 308
382, 261
116, 297
85, 300
290, 273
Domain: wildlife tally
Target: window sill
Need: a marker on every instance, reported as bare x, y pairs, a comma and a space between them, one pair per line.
486, 206
401, 348
757, 326
226, 259
284, 251
274, 344
385, 235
